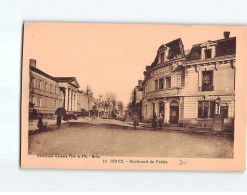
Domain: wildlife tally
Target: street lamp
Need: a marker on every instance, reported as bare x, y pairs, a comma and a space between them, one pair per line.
217, 101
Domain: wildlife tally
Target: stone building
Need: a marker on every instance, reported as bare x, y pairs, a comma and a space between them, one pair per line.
85, 101
44, 92
192, 87
47, 93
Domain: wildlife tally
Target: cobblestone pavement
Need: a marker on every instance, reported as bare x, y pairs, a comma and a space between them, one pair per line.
106, 137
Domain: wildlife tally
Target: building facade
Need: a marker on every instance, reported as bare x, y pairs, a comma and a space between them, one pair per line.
194, 87
69, 88
47, 93
86, 101
44, 92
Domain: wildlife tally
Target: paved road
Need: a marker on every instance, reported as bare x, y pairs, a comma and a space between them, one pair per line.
116, 138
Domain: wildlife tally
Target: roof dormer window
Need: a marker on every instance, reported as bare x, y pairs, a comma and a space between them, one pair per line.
208, 53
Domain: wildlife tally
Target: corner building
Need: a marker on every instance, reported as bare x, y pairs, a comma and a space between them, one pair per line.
192, 87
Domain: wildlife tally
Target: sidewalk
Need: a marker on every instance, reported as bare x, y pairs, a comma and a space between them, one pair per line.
207, 131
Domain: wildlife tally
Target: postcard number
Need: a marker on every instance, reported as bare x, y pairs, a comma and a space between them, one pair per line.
182, 162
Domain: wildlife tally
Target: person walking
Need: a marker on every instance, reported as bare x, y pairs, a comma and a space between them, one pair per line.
40, 122
59, 120
154, 122
160, 120
135, 120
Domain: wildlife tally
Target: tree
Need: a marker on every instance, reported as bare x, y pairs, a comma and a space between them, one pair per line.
110, 99
120, 106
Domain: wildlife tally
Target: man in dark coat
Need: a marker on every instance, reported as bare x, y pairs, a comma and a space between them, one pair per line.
40, 122
160, 120
154, 121
59, 120
135, 120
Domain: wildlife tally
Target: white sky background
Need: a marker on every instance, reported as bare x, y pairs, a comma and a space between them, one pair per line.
108, 58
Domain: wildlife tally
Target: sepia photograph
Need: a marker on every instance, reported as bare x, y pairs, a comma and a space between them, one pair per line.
129, 90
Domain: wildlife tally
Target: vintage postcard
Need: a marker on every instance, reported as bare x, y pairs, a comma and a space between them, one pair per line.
133, 96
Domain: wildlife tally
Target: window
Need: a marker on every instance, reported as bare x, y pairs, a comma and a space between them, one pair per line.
224, 111
207, 81
39, 84
46, 87
162, 57
156, 85
161, 83
208, 53
40, 102
206, 109
168, 82
32, 82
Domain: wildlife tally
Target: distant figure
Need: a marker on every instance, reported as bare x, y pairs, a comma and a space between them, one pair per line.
135, 120
160, 120
154, 121
40, 122
125, 117
59, 120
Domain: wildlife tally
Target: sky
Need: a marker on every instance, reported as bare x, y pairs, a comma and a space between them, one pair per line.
107, 57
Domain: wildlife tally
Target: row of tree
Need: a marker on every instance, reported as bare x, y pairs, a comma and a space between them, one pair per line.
109, 106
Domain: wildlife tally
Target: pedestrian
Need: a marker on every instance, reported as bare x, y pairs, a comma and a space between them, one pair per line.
125, 117
40, 122
59, 120
135, 120
154, 121
160, 120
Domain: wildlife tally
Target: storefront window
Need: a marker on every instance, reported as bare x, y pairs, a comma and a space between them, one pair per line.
206, 109
224, 111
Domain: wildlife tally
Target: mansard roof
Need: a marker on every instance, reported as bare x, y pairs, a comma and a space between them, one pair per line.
176, 48
223, 47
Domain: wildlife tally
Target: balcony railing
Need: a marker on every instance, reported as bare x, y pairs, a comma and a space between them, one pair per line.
206, 88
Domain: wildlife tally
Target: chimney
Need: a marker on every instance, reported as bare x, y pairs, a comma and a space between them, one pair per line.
139, 84
226, 34
32, 62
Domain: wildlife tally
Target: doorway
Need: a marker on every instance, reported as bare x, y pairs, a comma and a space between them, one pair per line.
162, 109
174, 112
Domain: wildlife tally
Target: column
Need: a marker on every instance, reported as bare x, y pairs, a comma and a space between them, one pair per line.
66, 99
181, 110
75, 101
157, 108
167, 112
72, 100
69, 107
200, 79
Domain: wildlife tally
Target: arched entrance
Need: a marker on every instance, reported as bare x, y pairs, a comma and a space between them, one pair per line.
162, 109
174, 112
